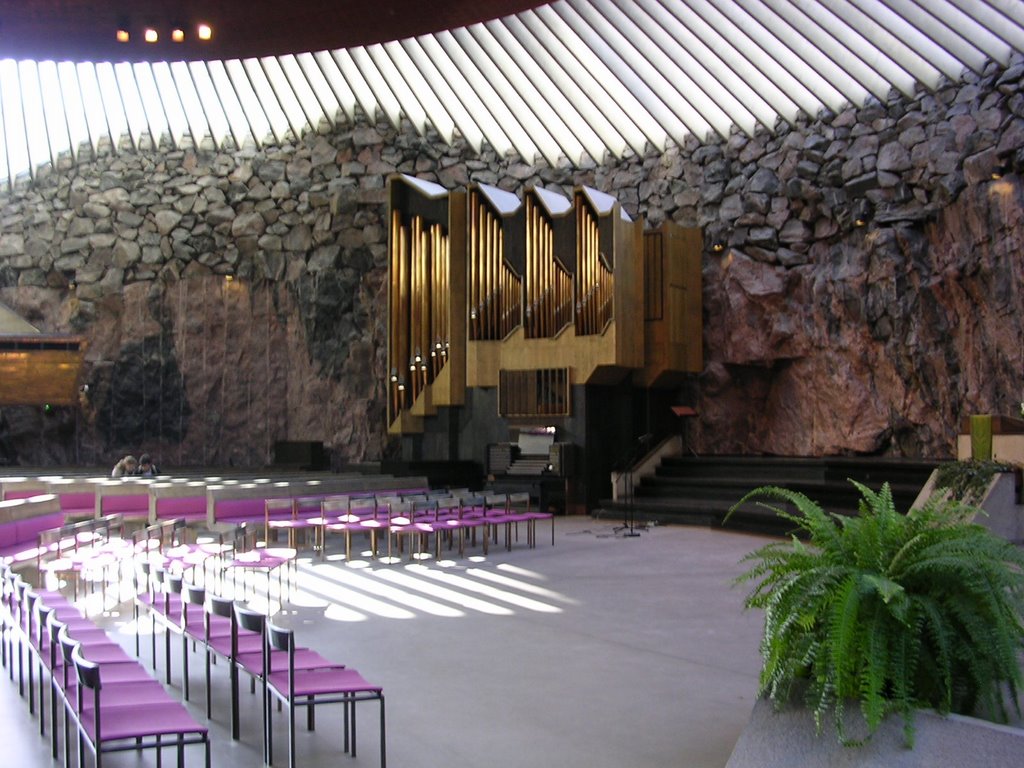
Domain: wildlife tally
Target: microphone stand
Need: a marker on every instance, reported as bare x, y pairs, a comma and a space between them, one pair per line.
634, 454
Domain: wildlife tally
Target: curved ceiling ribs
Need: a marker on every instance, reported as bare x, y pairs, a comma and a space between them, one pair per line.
561, 81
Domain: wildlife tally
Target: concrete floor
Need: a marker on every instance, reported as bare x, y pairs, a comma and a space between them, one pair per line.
603, 651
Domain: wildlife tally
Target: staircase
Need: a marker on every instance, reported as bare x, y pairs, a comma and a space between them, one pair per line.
701, 490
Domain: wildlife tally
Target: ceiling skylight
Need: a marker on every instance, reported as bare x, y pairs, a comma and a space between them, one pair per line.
571, 79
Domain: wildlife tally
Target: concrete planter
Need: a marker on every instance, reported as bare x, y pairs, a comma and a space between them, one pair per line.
787, 739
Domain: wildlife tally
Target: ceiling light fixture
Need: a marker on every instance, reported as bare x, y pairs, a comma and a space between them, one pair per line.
150, 35
122, 35
178, 35
204, 32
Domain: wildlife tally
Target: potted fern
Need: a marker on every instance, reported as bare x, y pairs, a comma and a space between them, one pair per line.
894, 612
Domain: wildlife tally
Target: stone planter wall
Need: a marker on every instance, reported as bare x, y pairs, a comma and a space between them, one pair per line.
821, 337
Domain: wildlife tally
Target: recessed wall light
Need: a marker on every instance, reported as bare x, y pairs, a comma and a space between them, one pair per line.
204, 32
178, 35
122, 36
150, 35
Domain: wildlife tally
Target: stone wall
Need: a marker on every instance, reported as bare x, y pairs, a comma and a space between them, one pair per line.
821, 337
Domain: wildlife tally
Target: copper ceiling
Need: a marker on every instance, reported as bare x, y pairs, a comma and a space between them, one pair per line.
84, 30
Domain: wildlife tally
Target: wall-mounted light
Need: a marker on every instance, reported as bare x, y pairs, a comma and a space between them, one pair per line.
204, 32
401, 385
394, 375
150, 35
718, 246
229, 278
122, 35
178, 35
862, 212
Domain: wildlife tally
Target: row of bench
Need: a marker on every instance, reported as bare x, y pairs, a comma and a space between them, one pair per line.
108, 702
29, 506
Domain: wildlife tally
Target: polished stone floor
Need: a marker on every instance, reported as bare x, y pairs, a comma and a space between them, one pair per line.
602, 651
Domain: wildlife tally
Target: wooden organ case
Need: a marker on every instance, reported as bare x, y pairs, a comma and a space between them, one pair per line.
529, 300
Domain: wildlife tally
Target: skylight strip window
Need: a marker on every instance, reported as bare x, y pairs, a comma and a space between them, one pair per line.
442, 92
888, 47
528, 65
336, 80
863, 43
567, 53
747, 49
6, 168
128, 95
57, 129
568, 93
92, 106
836, 55
716, 92
803, 59
409, 102
199, 124
15, 138
300, 87
912, 38
528, 137
318, 84
220, 102
174, 111
436, 111
285, 95
602, 79
490, 100
947, 37
709, 57
1001, 19
543, 124
356, 83
384, 96
620, 57
445, 76
159, 126
39, 150
111, 105
74, 112
819, 50
259, 114
972, 32
265, 99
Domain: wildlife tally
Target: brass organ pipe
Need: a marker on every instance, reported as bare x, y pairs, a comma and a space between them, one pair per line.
473, 271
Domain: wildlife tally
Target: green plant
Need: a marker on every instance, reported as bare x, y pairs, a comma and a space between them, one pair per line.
969, 479
898, 612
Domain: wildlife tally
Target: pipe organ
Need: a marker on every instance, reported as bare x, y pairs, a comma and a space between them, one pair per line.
495, 290
549, 283
489, 291
594, 279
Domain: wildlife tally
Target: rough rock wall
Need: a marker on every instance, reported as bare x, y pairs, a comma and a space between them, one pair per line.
821, 337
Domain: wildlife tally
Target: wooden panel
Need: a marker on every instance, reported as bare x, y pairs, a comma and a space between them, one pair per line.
534, 392
40, 370
673, 341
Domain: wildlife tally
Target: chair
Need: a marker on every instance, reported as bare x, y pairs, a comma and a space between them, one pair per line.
140, 718
336, 516
521, 504
326, 683
126, 681
219, 610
